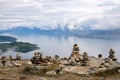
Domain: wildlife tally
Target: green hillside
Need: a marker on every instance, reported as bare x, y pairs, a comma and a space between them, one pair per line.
18, 47
7, 39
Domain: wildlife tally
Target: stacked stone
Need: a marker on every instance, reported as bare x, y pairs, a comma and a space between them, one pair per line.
112, 55
107, 62
75, 55
37, 58
18, 56
85, 60
4, 60
99, 56
48, 58
56, 57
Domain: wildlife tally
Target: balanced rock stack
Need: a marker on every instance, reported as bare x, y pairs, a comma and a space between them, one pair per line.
85, 60
18, 56
37, 58
75, 55
99, 56
112, 55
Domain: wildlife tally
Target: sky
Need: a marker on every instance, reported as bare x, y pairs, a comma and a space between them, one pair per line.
47, 14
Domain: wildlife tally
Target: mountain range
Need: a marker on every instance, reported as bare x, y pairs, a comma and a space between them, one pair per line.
65, 31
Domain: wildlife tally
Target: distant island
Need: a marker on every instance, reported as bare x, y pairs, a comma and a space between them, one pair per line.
16, 46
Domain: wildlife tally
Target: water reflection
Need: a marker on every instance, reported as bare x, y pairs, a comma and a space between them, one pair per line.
62, 45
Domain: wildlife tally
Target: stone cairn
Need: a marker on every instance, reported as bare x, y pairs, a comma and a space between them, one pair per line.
75, 56
37, 58
112, 55
18, 56
4, 60
99, 56
85, 59
108, 61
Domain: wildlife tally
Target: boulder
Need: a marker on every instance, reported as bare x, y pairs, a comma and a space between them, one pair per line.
51, 73
23, 78
41, 79
101, 69
114, 59
17, 64
106, 64
99, 56
9, 64
61, 72
64, 62
39, 67
29, 63
101, 66
119, 70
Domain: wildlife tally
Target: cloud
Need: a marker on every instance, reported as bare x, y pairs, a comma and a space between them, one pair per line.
111, 19
49, 13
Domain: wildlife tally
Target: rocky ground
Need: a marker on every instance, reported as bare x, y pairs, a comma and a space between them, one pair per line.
76, 67
93, 67
16, 71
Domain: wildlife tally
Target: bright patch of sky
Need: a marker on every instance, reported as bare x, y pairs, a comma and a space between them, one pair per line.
93, 14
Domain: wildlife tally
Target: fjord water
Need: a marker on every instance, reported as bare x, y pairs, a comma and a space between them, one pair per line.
62, 45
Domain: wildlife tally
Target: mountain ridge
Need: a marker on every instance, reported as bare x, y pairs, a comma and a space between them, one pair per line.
59, 31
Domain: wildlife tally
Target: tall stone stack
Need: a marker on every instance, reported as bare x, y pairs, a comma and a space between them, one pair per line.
75, 55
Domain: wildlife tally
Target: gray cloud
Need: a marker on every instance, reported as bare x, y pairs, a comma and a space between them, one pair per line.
39, 13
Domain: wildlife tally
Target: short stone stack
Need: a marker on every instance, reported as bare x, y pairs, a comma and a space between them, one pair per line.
37, 58
85, 60
112, 55
99, 56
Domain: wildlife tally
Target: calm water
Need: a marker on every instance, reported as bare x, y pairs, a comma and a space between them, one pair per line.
62, 46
